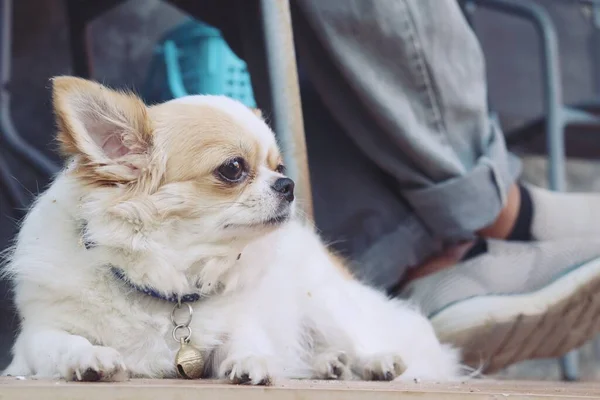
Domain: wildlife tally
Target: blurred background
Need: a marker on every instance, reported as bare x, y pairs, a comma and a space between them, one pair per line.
126, 46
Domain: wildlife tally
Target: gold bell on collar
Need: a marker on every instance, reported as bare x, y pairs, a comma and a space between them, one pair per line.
189, 361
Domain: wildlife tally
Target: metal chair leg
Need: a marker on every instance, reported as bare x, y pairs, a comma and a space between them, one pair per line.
569, 366
551, 80
8, 134
285, 95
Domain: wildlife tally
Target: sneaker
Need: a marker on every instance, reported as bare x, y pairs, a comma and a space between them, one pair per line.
515, 302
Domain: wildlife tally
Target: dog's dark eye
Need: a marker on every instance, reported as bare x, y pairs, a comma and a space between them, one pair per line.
233, 170
280, 169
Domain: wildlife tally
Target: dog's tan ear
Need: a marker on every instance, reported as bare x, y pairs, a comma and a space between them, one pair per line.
109, 130
257, 112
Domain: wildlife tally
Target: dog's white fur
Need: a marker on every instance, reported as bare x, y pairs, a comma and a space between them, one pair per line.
286, 309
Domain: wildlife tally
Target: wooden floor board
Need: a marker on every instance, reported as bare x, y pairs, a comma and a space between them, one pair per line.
12, 388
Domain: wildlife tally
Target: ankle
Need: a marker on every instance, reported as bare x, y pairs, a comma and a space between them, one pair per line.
504, 224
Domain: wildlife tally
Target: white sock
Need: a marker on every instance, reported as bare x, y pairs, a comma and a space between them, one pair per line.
561, 215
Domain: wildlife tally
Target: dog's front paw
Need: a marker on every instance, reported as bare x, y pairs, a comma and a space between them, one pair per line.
381, 367
95, 363
246, 371
332, 365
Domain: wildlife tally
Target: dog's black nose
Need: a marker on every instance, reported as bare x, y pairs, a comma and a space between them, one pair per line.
284, 186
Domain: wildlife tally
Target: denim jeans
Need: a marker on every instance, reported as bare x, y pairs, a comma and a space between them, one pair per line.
404, 158
405, 80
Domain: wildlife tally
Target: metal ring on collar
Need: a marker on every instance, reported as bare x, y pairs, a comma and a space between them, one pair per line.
189, 318
185, 338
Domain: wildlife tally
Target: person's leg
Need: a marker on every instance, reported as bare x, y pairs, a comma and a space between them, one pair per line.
405, 79
356, 209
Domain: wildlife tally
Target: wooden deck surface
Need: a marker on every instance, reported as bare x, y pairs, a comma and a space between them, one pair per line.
12, 388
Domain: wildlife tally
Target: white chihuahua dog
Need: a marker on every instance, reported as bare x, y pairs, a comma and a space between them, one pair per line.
173, 226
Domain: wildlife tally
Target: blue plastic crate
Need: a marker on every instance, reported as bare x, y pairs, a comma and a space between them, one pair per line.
195, 59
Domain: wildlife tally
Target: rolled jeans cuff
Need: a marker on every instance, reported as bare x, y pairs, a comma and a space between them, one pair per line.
457, 208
